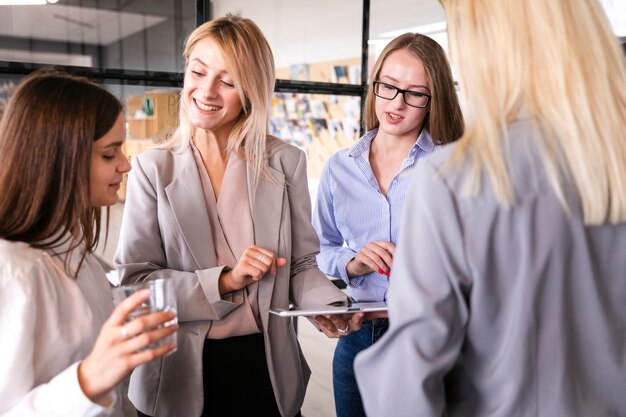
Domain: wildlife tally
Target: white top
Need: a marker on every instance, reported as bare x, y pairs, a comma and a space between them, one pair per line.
49, 321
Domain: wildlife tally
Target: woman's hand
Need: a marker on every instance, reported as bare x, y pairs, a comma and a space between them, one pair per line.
376, 256
339, 325
254, 263
120, 347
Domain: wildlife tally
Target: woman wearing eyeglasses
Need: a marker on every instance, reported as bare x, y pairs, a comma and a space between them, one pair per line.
411, 107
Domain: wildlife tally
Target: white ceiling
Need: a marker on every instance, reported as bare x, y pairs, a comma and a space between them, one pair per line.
72, 24
326, 30
298, 30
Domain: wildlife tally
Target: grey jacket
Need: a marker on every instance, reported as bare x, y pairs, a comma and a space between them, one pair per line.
165, 231
497, 311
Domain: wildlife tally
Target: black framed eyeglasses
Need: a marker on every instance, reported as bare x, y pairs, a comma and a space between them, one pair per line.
410, 97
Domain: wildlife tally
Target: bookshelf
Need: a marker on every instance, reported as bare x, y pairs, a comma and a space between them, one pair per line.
153, 115
152, 118
318, 124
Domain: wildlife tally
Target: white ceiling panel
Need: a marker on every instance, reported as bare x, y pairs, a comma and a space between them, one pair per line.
72, 24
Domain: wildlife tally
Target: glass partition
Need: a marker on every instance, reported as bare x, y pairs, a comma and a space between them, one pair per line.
426, 17
108, 34
311, 40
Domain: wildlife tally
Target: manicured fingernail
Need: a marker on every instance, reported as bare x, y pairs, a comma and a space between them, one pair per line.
380, 271
387, 273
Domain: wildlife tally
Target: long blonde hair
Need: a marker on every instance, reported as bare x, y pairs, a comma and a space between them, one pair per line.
250, 62
557, 63
445, 120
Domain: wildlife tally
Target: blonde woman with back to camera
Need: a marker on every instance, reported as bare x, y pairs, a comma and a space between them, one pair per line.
223, 211
507, 296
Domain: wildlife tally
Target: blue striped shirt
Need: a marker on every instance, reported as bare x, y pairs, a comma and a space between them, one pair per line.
351, 211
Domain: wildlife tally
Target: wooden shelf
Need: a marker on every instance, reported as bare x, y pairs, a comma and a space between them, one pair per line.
145, 132
163, 120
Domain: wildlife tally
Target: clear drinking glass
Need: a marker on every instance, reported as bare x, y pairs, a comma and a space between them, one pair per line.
162, 298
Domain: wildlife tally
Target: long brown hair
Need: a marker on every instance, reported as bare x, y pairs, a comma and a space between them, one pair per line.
46, 138
445, 120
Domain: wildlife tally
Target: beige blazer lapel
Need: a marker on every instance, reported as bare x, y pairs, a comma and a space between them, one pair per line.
189, 208
266, 206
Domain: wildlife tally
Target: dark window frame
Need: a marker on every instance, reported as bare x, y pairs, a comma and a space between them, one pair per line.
175, 79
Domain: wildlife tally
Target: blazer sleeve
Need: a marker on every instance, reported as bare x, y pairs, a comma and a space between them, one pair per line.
309, 286
19, 396
402, 374
141, 255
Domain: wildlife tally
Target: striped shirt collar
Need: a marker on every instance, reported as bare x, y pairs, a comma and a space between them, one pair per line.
423, 142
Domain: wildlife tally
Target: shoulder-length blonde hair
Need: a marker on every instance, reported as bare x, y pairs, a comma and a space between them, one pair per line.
249, 61
46, 138
445, 120
557, 63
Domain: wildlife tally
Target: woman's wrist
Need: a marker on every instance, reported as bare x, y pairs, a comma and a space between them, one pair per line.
90, 389
223, 282
350, 268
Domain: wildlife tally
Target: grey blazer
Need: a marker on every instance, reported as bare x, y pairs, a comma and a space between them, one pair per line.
500, 311
165, 231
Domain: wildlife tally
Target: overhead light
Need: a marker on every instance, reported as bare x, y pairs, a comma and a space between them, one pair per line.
25, 2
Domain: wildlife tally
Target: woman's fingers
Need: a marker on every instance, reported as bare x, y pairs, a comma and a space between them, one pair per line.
387, 246
378, 256
339, 325
277, 264
346, 323
262, 255
123, 309
384, 252
248, 269
146, 322
115, 351
145, 339
255, 262
373, 261
326, 326
375, 256
252, 270
356, 320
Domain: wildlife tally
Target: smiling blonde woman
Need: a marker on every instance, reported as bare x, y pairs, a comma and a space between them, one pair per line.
223, 211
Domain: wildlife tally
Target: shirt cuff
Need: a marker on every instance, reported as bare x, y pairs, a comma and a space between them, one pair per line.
342, 263
209, 281
70, 400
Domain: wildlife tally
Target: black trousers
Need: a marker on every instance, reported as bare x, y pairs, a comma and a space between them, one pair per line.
236, 378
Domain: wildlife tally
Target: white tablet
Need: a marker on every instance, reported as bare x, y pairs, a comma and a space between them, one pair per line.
330, 309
